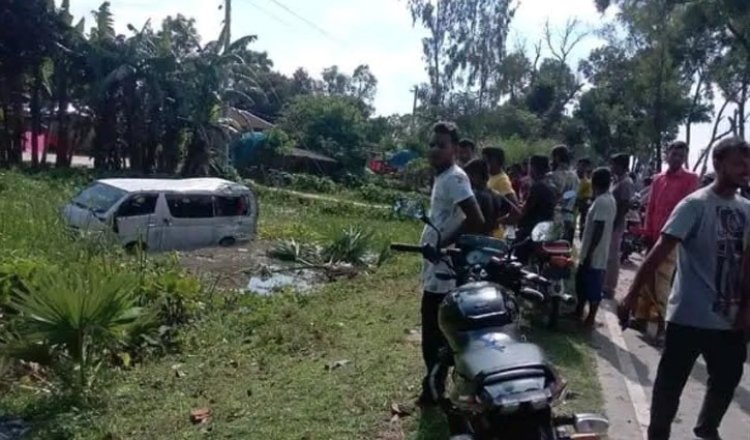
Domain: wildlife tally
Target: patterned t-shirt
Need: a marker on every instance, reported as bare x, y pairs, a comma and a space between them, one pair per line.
712, 231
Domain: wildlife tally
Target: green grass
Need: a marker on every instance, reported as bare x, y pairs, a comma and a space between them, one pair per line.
260, 364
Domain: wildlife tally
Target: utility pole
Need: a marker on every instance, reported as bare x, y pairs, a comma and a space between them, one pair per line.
228, 23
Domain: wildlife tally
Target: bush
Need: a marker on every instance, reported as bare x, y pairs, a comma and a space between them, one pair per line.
310, 183
352, 245
376, 194
16, 275
80, 314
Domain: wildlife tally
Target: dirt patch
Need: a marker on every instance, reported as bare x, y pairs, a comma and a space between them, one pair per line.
228, 267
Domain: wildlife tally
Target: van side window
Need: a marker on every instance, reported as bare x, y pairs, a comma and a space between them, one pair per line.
140, 204
190, 205
231, 206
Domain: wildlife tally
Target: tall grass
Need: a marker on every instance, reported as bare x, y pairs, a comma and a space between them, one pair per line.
78, 297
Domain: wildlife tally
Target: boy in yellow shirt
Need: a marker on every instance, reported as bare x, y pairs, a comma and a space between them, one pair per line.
499, 181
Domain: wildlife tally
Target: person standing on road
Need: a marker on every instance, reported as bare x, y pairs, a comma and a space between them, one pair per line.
710, 227
565, 180
452, 206
585, 192
595, 246
667, 190
623, 191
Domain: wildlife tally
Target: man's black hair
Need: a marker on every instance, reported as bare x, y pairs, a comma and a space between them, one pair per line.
495, 153
539, 163
467, 143
561, 153
601, 178
678, 145
622, 160
478, 167
585, 160
446, 127
729, 145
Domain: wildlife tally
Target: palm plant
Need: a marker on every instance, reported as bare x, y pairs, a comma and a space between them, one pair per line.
79, 313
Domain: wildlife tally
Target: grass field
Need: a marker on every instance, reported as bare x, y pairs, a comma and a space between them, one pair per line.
328, 365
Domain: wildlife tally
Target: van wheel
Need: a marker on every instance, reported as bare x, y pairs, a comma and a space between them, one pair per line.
227, 241
135, 247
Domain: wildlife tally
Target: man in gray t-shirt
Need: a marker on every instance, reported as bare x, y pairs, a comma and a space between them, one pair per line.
709, 229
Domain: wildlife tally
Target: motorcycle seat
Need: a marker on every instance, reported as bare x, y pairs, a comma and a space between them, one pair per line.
555, 248
480, 363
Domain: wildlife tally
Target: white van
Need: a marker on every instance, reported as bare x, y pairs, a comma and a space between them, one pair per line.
166, 214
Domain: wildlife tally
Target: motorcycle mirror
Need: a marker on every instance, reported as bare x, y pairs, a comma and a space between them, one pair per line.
542, 232
591, 424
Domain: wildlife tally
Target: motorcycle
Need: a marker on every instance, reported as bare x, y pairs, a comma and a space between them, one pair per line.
633, 240
502, 387
553, 259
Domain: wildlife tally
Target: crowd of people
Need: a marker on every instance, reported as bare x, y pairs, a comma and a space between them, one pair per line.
690, 283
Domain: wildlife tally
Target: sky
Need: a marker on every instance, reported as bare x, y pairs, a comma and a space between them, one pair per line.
315, 34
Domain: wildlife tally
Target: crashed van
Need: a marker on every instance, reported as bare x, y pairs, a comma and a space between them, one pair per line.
166, 214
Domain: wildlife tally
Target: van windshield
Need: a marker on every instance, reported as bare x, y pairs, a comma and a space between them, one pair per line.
98, 197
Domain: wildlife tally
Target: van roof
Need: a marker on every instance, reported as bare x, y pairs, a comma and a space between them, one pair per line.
207, 184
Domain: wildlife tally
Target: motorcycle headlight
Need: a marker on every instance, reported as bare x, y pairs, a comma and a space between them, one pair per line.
591, 424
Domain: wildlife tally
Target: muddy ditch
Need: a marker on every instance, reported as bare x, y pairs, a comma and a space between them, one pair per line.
248, 268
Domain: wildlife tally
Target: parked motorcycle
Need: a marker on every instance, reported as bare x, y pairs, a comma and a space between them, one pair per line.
633, 239
502, 387
553, 259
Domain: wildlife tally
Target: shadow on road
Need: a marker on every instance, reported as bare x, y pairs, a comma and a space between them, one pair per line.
609, 351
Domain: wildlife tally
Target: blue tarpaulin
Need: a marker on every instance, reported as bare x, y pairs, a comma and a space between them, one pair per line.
401, 158
245, 147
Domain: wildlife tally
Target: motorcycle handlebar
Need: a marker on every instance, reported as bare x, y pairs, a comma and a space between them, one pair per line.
413, 248
534, 278
401, 247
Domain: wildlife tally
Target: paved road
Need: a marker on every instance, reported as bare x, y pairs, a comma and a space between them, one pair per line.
627, 368
76, 161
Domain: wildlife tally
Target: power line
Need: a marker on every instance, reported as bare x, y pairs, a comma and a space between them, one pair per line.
306, 21
268, 13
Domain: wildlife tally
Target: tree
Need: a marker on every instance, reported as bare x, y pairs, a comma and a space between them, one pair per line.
330, 125
363, 84
466, 44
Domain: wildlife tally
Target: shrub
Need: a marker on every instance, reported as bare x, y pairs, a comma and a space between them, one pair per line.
16, 275
310, 183
293, 250
353, 245
81, 314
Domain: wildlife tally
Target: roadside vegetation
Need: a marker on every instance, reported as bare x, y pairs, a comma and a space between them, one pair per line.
333, 363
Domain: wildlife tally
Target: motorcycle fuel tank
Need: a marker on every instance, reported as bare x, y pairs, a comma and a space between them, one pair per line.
471, 307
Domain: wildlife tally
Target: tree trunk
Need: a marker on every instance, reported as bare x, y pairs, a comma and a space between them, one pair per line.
696, 97
36, 116
741, 119
5, 137
63, 100
15, 154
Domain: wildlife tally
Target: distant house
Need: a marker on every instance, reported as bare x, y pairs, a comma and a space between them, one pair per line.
246, 121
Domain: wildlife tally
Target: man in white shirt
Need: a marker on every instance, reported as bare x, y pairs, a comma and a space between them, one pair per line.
597, 234
452, 205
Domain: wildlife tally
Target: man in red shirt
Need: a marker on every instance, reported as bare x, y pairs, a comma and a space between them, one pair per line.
667, 190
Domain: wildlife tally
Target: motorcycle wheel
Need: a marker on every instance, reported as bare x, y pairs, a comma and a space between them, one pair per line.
521, 431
